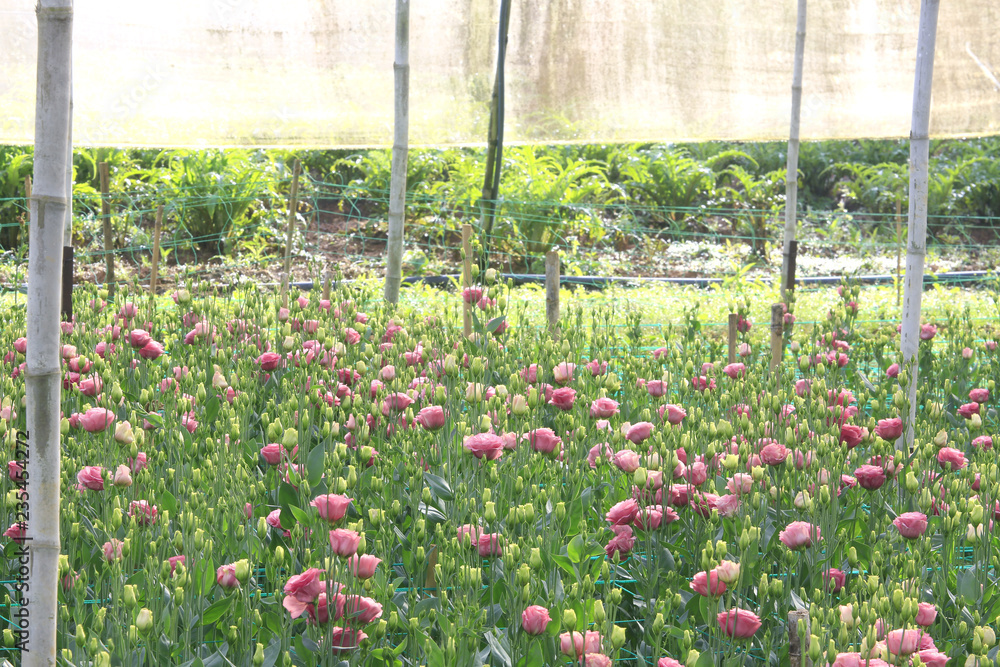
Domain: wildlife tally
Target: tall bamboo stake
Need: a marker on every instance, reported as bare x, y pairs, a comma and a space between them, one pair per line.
156, 250
494, 147
109, 258
777, 336
917, 226
466, 278
326, 286
552, 291
293, 206
792, 175
400, 154
899, 254
43, 378
67, 274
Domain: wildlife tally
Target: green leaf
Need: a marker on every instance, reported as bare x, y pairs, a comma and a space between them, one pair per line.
154, 419
287, 495
211, 410
495, 324
439, 487
217, 610
575, 549
314, 465
500, 652
434, 654
706, 659
534, 658
167, 502
299, 514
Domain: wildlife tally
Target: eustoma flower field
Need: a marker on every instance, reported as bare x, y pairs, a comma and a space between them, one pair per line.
338, 483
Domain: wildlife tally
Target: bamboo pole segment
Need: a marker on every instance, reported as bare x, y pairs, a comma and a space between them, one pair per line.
797, 657
156, 250
494, 143
552, 291
777, 337
899, 253
917, 227
326, 285
792, 174
49, 205
23, 238
734, 320
67, 274
109, 258
466, 278
793, 254
293, 206
400, 154
284, 289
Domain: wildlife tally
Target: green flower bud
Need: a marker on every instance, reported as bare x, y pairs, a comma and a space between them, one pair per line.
569, 619
144, 620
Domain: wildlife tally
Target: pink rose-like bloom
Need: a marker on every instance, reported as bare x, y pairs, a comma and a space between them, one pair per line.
563, 398
933, 658
639, 432
903, 642
892, 371
728, 505
21, 345
911, 525
269, 361
90, 478
773, 454
656, 388
142, 512
16, 531
344, 542
112, 550
597, 367
535, 619
543, 440
979, 395
530, 373
738, 623
396, 402
488, 545
708, 585
870, 477
673, 414
927, 331
889, 429
174, 562
138, 338
271, 453
597, 660
152, 350
649, 518
597, 451
331, 507
603, 408
799, 535
470, 531
225, 576
926, 614
950, 458
983, 442
668, 662
97, 419
362, 609
302, 590
577, 645
735, 370
488, 445
626, 460
740, 483
851, 435
703, 383
363, 567
621, 543
431, 417
622, 513
563, 373
15, 471
139, 463
836, 578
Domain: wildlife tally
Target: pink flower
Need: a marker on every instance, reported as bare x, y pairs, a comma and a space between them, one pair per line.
870, 477
597, 451
90, 478
950, 458
738, 623
271, 453
926, 614
344, 542
622, 513
331, 507
851, 435
174, 561
597, 367
543, 440
639, 432
112, 550
470, 531
927, 331
431, 417
656, 388
649, 518
892, 371
363, 567
837, 578
626, 460
530, 373
621, 543
597, 660
225, 576
735, 370
728, 505
362, 609
902, 642
708, 585
933, 658
302, 590
603, 408
702, 383
152, 350
799, 535
674, 414
16, 531
21, 345
487, 445
269, 361
535, 619
668, 662
740, 483
563, 398
396, 402
577, 645
563, 373
489, 545
889, 429
15, 471
138, 338
983, 442
139, 463
142, 512
773, 454
911, 525
97, 419
979, 395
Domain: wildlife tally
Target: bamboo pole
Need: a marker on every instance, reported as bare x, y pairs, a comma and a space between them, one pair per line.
156, 250
777, 337
466, 278
734, 320
917, 227
293, 206
797, 657
552, 291
494, 144
326, 285
49, 205
792, 174
109, 258
284, 289
899, 253
67, 274
23, 238
400, 154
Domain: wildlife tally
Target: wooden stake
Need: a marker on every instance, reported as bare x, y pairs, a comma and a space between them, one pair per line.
467, 278
899, 253
796, 656
326, 285
156, 250
793, 253
284, 290
109, 258
293, 205
733, 333
552, 291
777, 340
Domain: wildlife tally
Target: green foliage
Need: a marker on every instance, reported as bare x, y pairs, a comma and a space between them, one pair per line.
15, 165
